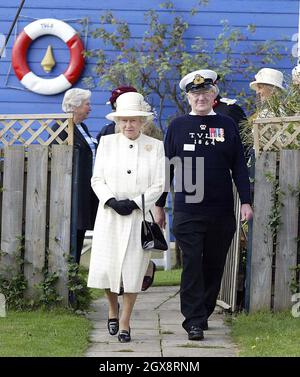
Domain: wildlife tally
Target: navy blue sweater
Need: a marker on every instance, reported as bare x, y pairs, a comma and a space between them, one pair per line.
216, 139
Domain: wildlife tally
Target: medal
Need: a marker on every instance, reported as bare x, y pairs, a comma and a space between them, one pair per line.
222, 138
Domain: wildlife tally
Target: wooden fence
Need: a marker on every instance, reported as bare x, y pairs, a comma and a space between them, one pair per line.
275, 248
276, 133
27, 129
35, 199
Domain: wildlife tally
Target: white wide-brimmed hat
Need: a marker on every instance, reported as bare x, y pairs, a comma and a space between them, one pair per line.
268, 76
130, 104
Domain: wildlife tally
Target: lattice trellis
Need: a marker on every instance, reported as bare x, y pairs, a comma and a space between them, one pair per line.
27, 129
274, 134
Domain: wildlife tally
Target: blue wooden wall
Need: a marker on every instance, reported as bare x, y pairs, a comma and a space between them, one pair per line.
274, 19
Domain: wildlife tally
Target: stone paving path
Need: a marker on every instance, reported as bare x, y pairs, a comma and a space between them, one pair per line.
156, 330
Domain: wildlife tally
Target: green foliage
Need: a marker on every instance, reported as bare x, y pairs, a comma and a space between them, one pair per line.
12, 280
81, 295
13, 289
13, 285
282, 103
155, 63
48, 296
276, 197
294, 284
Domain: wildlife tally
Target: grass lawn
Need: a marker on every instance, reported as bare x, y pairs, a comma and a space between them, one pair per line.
56, 332
43, 333
166, 278
267, 334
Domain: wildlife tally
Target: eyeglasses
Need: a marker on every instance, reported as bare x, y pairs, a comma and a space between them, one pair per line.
204, 92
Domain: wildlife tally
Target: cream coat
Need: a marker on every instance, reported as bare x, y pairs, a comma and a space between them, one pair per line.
124, 169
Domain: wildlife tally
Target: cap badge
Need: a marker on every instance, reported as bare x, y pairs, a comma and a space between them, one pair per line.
198, 80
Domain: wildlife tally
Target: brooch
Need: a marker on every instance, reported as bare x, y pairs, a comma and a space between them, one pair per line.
148, 147
198, 80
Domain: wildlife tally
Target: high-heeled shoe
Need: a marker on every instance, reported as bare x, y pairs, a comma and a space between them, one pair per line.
113, 324
124, 336
148, 280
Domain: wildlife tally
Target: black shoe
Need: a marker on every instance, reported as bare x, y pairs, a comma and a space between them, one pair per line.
195, 333
148, 280
113, 326
124, 336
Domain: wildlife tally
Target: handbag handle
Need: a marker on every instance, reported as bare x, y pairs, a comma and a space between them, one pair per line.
143, 209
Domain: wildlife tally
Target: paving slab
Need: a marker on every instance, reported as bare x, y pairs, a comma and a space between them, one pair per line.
156, 330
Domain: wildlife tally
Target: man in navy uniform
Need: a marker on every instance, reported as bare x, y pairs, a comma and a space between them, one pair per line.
204, 228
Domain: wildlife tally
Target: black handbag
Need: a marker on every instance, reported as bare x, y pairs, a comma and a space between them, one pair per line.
151, 234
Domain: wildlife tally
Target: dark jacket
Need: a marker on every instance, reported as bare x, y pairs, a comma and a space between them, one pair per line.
87, 200
234, 111
108, 129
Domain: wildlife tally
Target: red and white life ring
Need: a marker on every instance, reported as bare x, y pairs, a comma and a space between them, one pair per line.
19, 62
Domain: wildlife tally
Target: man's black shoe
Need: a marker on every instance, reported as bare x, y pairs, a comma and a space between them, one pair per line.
195, 333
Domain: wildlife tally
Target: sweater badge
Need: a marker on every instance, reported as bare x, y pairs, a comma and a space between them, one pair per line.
148, 147
202, 126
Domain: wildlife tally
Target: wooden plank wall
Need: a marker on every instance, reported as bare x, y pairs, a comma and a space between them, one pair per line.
270, 284
273, 19
25, 196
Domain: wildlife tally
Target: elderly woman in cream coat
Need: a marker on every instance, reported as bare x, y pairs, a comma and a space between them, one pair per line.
128, 164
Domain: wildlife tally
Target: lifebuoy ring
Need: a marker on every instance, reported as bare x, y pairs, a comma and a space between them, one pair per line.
19, 62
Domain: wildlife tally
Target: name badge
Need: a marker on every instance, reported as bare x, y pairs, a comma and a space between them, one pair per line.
189, 147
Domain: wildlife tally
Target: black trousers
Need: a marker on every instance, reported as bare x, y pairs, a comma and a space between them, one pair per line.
204, 241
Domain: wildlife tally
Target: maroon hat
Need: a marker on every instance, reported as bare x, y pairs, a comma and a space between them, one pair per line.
118, 91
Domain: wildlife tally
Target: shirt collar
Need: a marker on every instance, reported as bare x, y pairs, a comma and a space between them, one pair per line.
210, 113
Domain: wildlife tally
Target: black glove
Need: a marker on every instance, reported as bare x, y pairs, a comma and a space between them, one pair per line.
122, 207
